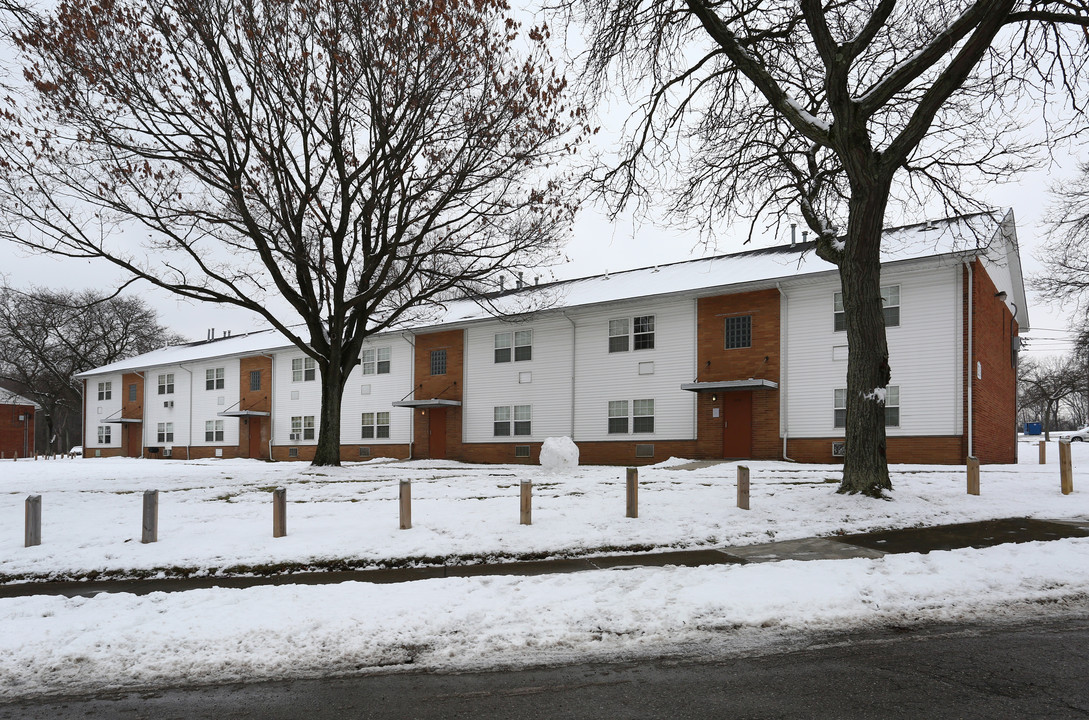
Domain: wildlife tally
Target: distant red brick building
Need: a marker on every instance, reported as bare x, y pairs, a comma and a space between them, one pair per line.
17, 415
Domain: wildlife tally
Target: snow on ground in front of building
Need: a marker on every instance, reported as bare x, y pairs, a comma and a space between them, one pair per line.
215, 514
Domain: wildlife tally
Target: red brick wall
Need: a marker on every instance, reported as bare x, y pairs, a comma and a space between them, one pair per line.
447, 387
13, 442
348, 453
256, 400
994, 395
939, 450
715, 362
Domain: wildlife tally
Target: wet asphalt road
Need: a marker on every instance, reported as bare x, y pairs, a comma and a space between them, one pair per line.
1027, 670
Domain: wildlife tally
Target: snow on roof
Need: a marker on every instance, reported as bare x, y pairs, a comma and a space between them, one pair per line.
966, 234
7, 397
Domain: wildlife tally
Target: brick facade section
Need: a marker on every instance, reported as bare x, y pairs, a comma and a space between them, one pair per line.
259, 400
938, 450
447, 386
348, 453
131, 433
17, 436
715, 363
994, 395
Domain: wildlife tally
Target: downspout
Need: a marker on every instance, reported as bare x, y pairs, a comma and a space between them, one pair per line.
271, 401
143, 412
784, 321
574, 338
412, 384
189, 434
971, 357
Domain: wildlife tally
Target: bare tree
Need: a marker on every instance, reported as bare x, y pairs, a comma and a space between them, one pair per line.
1047, 383
759, 109
336, 166
48, 336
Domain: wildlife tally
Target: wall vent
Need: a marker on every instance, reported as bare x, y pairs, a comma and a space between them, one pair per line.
293, 452
521, 451
644, 451
364, 452
839, 449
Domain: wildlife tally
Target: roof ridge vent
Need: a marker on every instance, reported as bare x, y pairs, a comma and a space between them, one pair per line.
928, 225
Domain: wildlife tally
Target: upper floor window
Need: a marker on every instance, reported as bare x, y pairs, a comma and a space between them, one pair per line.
376, 361
213, 379
166, 384
132, 392
375, 425
517, 344
165, 432
739, 332
637, 333
890, 304
105, 390
255, 380
438, 362
303, 369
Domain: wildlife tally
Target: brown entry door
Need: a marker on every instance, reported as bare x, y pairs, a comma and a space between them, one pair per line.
133, 434
436, 439
256, 448
737, 424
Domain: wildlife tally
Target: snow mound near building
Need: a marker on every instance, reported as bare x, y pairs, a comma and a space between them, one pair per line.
559, 455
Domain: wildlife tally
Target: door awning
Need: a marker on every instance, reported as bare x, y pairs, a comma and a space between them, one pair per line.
243, 413
727, 385
430, 403
122, 421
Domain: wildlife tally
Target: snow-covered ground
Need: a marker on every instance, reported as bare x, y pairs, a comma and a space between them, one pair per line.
217, 514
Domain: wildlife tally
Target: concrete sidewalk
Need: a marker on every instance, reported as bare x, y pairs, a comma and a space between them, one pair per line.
987, 533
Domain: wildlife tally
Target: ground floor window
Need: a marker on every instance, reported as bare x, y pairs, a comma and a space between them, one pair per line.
213, 431
640, 420
508, 420
302, 427
892, 407
104, 434
375, 425
165, 432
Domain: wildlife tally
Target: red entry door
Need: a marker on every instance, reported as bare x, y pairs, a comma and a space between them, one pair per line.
437, 433
256, 448
737, 424
133, 434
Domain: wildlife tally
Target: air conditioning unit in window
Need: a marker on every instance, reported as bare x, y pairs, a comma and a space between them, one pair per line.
295, 436
168, 404
167, 452
839, 449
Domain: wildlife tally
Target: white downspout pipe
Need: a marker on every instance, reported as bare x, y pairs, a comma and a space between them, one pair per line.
411, 384
971, 355
271, 402
784, 324
189, 435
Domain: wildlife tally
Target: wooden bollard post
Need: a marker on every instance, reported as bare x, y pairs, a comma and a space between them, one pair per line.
1043, 453
743, 487
973, 475
279, 512
1066, 468
526, 515
150, 532
633, 493
406, 504
33, 534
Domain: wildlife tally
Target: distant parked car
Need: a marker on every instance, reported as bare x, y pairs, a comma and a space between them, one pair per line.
1075, 435
77, 451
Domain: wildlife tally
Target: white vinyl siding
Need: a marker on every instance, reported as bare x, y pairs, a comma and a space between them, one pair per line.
924, 353
374, 393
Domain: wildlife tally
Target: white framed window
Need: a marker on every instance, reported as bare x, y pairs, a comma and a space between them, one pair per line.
303, 369
640, 337
105, 390
213, 431
105, 434
213, 378
510, 420
890, 305
892, 406
376, 361
166, 384
302, 427
618, 417
165, 432
839, 408
516, 345
375, 425
642, 416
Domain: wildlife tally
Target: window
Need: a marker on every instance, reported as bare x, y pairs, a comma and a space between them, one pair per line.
105, 390
890, 303
166, 384
438, 362
104, 434
839, 405
375, 425
501, 420
642, 416
739, 332
618, 416
255, 380
213, 379
302, 427
213, 431
165, 432
132, 392
642, 335
519, 342
303, 369
376, 361
892, 406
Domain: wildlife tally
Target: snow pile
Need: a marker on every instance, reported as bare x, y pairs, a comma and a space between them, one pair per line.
559, 455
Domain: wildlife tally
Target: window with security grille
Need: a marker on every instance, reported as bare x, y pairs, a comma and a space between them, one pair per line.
438, 362
739, 332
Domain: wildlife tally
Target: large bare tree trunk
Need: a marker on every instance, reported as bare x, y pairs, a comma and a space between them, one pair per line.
865, 468
332, 394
